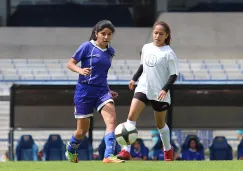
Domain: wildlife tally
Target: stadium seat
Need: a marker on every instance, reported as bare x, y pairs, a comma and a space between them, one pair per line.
54, 148
220, 149
26, 149
186, 143
102, 147
85, 150
240, 150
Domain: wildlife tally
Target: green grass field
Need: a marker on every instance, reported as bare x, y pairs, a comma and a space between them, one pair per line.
128, 166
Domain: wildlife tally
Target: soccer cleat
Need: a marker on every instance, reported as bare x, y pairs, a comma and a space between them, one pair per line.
112, 159
70, 156
168, 155
124, 155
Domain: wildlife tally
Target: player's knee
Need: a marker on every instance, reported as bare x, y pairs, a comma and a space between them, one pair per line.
160, 125
81, 133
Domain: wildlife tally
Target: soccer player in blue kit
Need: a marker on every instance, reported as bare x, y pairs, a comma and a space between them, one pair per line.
92, 90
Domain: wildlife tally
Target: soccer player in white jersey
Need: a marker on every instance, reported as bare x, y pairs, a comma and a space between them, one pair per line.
157, 73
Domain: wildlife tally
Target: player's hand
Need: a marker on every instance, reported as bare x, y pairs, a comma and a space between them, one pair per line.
85, 71
114, 94
131, 85
162, 95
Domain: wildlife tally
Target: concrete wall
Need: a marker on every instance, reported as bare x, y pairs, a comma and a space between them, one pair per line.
63, 42
194, 35
206, 35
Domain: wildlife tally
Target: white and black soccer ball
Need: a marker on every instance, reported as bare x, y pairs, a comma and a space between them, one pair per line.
126, 133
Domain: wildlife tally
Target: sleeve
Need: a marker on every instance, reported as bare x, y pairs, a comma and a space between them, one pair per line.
138, 73
80, 52
172, 63
184, 155
145, 152
169, 83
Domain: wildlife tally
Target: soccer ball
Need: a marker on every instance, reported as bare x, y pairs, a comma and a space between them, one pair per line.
126, 133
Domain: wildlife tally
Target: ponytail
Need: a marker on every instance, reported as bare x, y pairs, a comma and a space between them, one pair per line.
93, 36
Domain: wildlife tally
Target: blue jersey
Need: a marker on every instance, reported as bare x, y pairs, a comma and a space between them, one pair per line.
99, 60
159, 154
192, 155
143, 152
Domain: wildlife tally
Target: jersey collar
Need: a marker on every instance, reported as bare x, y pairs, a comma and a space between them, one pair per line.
94, 44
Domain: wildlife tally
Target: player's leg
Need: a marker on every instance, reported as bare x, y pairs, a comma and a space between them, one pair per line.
107, 109
76, 139
137, 105
160, 116
83, 110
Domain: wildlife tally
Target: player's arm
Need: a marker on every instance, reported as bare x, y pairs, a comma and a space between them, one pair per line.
136, 77
138, 73
173, 71
170, 82
76, 58
72, 65
113, 93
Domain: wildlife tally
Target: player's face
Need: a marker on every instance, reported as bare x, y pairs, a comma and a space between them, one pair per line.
104, 37
159, 35
136, 145
192, 144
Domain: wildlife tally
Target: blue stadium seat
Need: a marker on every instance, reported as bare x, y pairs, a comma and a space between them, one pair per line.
54, 148
220, 149
26, 149
85, 150
185, 145
102, 147
240, 150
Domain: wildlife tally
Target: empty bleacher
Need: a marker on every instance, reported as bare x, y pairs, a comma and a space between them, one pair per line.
55, 69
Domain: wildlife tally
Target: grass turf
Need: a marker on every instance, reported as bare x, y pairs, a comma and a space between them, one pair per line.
128, 166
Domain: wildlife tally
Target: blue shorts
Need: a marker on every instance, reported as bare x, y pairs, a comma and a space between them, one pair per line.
87, 97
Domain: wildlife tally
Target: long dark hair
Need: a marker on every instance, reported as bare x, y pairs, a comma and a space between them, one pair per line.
100, 26
167, 30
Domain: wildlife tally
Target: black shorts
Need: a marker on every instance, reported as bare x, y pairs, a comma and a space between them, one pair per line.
157, 106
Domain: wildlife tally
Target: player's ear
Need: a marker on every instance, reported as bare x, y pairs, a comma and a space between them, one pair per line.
96, 34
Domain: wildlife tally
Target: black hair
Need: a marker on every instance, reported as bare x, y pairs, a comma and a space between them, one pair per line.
100, 26
194, 139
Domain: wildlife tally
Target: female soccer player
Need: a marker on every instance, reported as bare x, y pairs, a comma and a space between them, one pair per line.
157, 72
92, 90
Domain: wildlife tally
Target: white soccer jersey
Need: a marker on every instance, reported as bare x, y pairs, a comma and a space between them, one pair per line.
158, 64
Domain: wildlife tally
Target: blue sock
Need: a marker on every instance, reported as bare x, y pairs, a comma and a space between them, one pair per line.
110, 142
74, 144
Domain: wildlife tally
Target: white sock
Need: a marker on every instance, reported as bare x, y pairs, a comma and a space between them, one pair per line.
165, 137
128, 147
